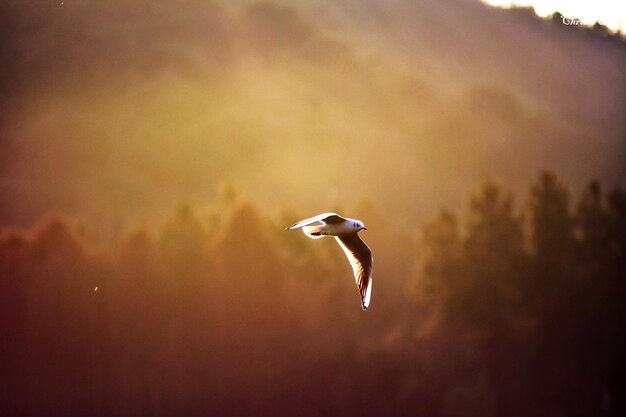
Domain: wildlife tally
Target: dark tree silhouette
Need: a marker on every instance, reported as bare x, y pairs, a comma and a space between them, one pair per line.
245, 321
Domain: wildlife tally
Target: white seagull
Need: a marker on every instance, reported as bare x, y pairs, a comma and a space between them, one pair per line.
345, 232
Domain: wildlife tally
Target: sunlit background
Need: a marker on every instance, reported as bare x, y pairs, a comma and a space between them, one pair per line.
153, 152
609, 13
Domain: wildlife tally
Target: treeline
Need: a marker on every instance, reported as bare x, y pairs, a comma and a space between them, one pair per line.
511, 311
530, 302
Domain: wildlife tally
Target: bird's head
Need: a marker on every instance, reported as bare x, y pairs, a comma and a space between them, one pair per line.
358, 225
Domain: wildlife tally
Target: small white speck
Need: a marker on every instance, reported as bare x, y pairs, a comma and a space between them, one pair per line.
95, 289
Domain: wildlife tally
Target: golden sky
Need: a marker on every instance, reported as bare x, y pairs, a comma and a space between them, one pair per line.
611, 13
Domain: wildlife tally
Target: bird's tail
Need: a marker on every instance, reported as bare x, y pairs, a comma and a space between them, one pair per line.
314, 232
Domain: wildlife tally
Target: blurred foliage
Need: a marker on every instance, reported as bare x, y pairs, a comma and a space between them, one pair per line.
251, 319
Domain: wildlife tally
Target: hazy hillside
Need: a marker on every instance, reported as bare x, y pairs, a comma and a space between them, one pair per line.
115, 111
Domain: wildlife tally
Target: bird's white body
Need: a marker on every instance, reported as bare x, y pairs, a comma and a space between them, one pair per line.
350, 226
336, 226
345, 232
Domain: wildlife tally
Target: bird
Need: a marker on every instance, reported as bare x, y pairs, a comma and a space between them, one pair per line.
345, 231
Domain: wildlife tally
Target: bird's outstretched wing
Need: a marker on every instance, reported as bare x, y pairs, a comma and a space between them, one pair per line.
327, 218
360, 257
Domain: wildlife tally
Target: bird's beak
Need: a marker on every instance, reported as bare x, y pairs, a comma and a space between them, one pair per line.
365, 228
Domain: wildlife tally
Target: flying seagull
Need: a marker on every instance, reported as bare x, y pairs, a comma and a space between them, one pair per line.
345, 232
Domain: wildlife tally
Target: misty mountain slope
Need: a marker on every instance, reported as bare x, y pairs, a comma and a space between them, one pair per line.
117, 111
465, 40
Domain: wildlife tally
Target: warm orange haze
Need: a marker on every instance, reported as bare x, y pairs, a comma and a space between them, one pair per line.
153, 153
